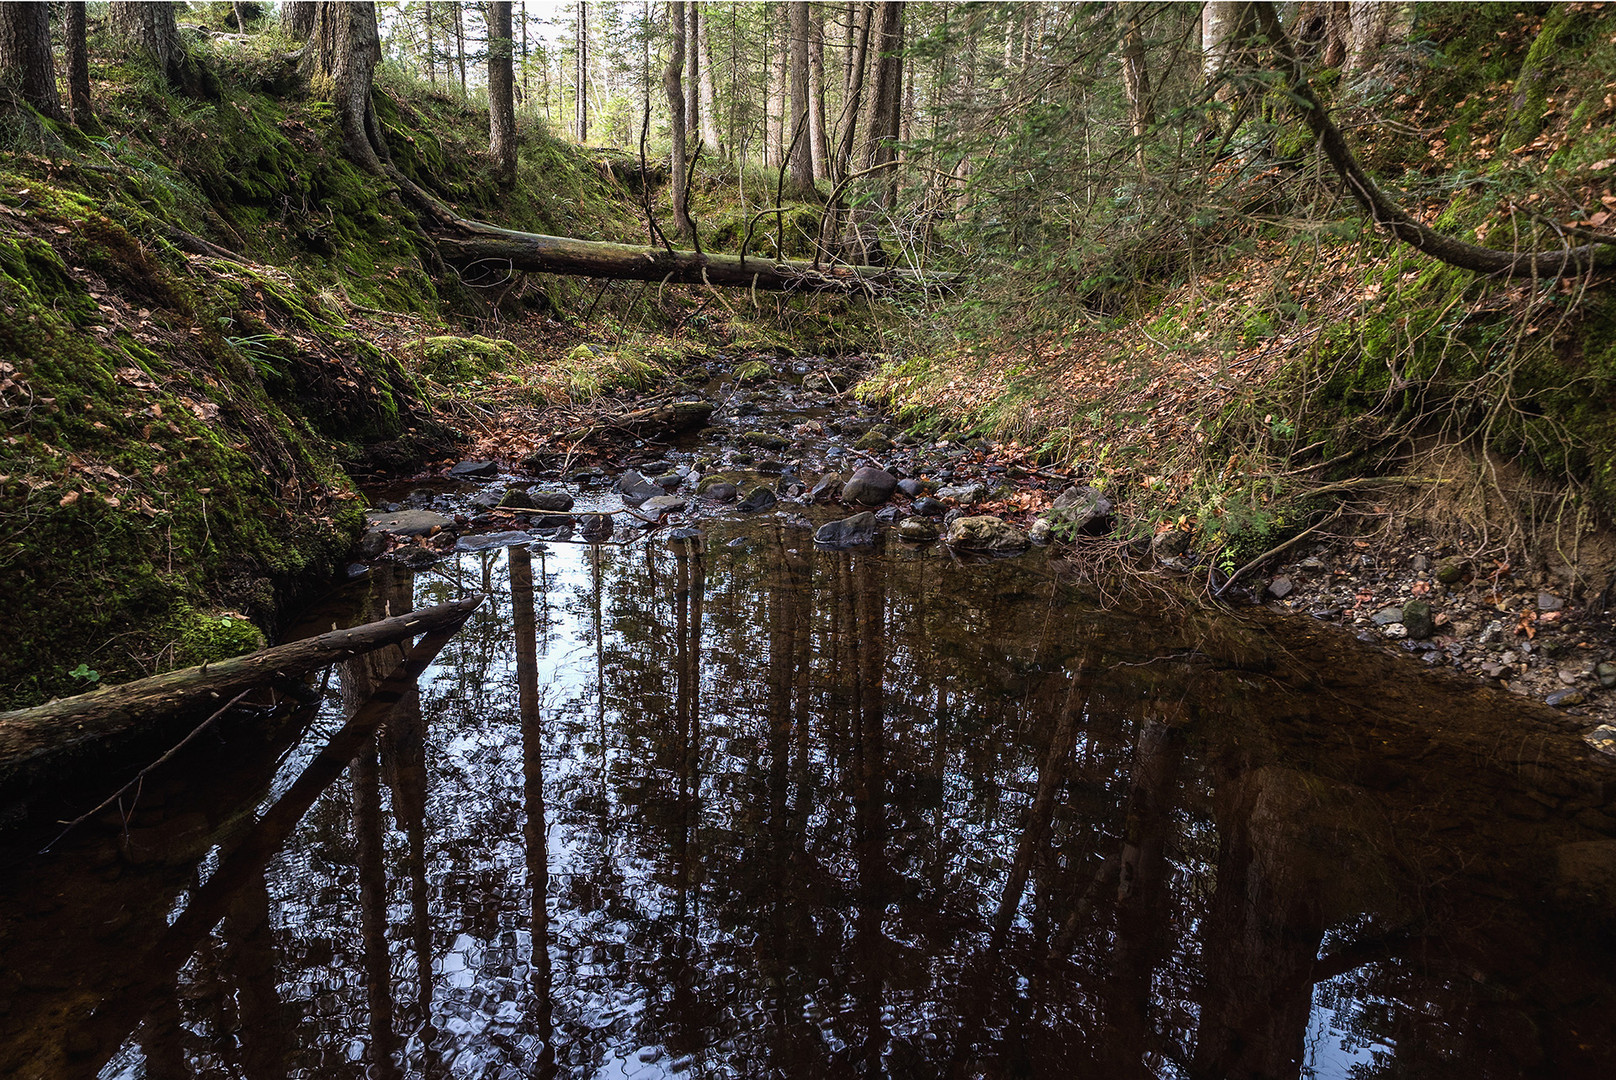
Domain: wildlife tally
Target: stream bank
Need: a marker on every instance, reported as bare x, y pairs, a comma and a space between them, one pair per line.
785, 439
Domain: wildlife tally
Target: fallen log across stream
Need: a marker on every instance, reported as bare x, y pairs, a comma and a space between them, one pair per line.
466, 243
35, 740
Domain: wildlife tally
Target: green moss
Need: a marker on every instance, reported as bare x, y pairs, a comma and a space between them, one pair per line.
204, 637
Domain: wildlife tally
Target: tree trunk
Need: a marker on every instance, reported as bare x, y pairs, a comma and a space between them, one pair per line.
1368, 26
25, 56
693, 62
1559, 262
431, 60
149, 30
76, 53
297, 16
709, 91
855, 92
776, 131
884, 91
802, 160
1226, 25
467, 242
672, 86
580, 86
345, 46
501, 92
34, 740
1136, 82
818, 137
460, 44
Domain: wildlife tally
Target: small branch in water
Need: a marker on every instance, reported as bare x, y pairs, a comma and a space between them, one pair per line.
140, 776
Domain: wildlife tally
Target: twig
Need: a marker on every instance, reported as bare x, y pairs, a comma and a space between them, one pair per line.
1271, 552
141, 775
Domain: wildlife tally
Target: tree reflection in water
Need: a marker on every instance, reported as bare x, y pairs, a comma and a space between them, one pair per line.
705, 809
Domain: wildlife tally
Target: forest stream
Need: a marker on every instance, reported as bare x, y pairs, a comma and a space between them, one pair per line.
718, 801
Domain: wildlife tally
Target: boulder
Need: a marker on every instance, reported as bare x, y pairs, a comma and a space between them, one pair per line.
869, 486
472, 470
828, 488
555, 501
985, 532
636, 488
926, 506
761, 498
658, 505
964, 494
408, 522
1079, 511
918, 530
518, 499
1418, 619
848, 532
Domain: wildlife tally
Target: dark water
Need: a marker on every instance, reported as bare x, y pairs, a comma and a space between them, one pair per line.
761, 811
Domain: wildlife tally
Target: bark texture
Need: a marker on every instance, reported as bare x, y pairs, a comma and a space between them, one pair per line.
345, 47
1136, 81
674, 89
581, 74
709, 90
818, 135
25, 56
149, 30
76, 51
802, 165
501, 92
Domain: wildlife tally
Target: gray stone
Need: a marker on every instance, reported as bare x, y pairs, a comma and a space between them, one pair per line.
1419, 620
926, 506
373, 543
848, 532
596, 527
760, 499
1490, 633
1170, 544
964, 494
1312, 564
1547, 601
869, 486
551, 500
1077, 511
1394, 631
662, 504
1565, 698
469, 470
668, 481
1280, 588
1605, 672
1452, 571
723, 491
636, 488
828, 488
1040, 533
518, 499
488, 497
918, 530
1386, 616
888, 514
766, 440
484, 541
911, 488
986, 532
408, 522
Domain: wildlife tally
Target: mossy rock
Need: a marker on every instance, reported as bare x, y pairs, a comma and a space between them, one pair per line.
752, 371
207, 637
473, 357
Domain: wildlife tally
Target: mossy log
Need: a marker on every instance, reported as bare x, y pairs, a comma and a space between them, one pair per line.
469, 242
674, 416
33, 739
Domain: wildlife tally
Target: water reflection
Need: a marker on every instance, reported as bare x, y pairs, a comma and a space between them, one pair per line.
756, 810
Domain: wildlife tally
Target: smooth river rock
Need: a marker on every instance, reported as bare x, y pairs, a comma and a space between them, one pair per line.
848, 532
408, 522
869, 486
985, 532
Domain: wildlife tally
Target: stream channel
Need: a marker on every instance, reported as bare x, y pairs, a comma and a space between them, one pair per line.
740, 807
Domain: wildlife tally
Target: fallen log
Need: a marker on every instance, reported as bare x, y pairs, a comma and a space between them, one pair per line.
44, 737
471, 242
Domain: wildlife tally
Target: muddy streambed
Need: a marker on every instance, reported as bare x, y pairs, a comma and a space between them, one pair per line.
712, 801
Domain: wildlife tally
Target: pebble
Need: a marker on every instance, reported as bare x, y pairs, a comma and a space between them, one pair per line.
1605, 672
1280, 588
1566, 697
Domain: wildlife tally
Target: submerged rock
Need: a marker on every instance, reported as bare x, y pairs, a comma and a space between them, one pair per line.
827, 489
484, 541
723, 491
986, 532
761, 498
595, 527
659, 505
869, 486
848, 532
